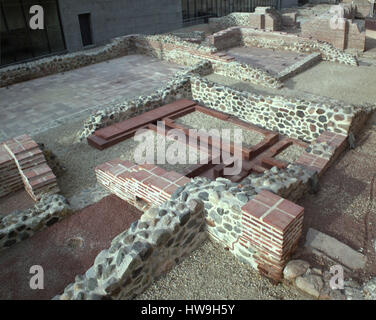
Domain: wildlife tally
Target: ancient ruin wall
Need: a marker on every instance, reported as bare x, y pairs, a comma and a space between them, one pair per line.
293, 117
18, 226
164, 235
291, 42
118, 47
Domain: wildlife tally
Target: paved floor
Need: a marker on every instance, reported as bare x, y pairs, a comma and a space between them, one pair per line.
28, 105
271, 60
64, 250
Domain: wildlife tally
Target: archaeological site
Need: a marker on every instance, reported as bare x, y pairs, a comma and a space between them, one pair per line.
188, 150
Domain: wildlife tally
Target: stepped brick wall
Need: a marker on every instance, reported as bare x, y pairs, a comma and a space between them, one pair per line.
271, 225
27, 168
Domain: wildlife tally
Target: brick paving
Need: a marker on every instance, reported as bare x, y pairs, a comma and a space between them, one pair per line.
271, 60
29, 105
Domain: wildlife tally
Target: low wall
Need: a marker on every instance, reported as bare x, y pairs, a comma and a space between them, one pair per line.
172, 50
292, 42
293, 117
164, 235
21, 225
264, 18
148, 249
118, 47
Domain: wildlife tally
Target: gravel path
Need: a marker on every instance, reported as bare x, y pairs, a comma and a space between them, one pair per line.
211, 272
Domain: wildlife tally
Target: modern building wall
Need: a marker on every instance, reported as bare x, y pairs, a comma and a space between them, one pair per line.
113, 18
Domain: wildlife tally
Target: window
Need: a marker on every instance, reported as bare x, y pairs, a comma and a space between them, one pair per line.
18, 41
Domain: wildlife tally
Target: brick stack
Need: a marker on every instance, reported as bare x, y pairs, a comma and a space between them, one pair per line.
272, 227
36, 175
138, 184
319, 163
10, 179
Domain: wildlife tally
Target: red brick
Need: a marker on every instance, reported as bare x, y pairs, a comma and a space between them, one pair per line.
156, 182
255, 209
291, 208
278, 219
268, 198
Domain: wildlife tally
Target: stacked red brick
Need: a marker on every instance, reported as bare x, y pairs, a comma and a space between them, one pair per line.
272, 227
10, 179
36, 175
133, 183
318, 163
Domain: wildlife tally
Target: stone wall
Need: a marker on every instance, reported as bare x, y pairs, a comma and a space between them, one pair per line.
292, 42
177, 88
264, 18
164, 235
174, 50
118, 47
148, 249
293, 117
21, 225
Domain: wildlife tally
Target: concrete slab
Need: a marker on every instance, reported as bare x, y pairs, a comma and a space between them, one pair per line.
335, 249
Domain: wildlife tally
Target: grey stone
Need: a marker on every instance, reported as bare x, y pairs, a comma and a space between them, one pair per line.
335, 249
294, 269
311, 284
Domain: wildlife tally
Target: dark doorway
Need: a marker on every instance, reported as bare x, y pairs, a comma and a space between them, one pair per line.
85, 26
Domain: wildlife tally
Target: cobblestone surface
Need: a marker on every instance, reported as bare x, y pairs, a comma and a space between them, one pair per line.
29, 105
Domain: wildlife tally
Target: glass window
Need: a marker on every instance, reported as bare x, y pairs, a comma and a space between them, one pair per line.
18, 41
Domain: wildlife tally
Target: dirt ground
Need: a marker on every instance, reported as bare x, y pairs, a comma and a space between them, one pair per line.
345, 206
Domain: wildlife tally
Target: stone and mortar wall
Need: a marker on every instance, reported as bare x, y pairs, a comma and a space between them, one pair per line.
118, 47
174, 50
263, 18
293, 117
21, 225
164, 235
292, 42
177, 88
148, 249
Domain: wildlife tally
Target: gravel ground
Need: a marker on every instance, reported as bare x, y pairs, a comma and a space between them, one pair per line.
200, 120
290, 154
210, 273
80, 159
